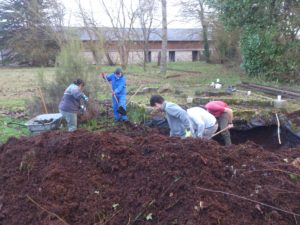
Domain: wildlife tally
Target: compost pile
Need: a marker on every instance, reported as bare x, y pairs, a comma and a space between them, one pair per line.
134, 175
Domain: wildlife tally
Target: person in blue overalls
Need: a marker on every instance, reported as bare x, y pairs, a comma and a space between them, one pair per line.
118, 84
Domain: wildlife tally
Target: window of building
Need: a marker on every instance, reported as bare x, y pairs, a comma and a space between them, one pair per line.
172, 56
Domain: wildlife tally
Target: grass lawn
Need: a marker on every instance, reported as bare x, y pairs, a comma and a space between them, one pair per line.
10, 127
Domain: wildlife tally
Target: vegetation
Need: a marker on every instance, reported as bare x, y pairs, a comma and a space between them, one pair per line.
10, 127
71, 65
269, 43
27, 34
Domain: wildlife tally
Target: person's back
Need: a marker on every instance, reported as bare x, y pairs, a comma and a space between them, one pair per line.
175, 115
178, 119
196, 113
204, 123
70, 101
224, 116
216, 107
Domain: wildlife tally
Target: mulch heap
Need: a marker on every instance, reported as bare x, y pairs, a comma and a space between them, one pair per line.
134, 175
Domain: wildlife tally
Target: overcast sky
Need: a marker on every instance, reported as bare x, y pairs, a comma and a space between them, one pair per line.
94, 6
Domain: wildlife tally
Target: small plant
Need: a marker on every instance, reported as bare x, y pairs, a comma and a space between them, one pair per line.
293, 176
10, 127
115, 206
28, 161
149, 216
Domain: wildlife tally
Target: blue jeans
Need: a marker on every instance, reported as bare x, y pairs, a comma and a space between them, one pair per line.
71, 119
122, 102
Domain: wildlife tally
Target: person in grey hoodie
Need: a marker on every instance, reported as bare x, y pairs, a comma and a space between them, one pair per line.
70, 103
178, 119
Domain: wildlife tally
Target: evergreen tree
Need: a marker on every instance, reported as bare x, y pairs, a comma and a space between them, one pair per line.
29, 31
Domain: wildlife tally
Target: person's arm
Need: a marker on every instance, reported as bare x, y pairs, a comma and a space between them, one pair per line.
230, 115
107, 77
85, 98
121, 85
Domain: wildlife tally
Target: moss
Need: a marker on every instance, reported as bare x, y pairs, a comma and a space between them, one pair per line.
234, 101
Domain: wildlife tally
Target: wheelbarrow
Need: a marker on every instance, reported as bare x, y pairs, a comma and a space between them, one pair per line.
44, 122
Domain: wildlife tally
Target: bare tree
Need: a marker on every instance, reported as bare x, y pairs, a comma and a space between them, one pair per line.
146, 12
198, 10
163, 59
96, 42
122, 22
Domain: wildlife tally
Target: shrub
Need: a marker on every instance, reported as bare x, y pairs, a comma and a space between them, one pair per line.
70, 65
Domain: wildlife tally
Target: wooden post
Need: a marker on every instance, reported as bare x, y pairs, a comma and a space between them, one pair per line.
43, 100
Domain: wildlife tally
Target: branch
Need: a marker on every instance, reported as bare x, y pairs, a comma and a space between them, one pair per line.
250, 200
46, 210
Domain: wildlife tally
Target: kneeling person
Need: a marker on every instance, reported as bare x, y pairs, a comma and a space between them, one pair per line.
204, 123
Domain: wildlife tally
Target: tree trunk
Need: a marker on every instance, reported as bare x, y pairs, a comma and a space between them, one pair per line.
204, 32
163, 60
206, 44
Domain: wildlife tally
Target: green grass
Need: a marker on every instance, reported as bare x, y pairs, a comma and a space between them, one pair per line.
12, 104
261, 81
17, 85
10, 127
207, 73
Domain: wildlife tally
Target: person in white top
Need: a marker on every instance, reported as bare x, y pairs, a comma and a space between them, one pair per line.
204, 123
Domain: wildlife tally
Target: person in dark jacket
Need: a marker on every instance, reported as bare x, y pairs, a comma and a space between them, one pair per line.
69, 105
118, 84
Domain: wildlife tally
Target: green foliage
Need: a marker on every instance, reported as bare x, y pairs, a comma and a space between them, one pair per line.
293, 176
10, 127
268, 43
26, 31
136, 114
70, 65
227, 43
264, 55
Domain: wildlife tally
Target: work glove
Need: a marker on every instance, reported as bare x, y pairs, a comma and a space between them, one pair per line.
85, 98
230, 125
188, 133
82, 109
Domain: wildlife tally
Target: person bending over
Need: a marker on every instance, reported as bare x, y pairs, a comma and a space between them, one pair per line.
69, 105
178, 119
204, 123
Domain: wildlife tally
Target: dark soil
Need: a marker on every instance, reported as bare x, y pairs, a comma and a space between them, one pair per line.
295, 117
132, 173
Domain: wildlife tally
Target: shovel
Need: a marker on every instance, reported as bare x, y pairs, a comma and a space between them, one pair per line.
226, 128
120, 109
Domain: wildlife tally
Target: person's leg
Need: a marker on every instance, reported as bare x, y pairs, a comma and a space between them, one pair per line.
73, 122
71, 119
115, 109
122, 102
210, 131
223, 123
